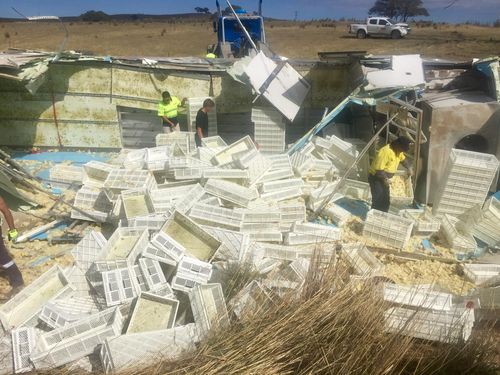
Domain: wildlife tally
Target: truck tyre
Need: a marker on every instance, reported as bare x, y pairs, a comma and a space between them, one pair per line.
396, 34
361, 34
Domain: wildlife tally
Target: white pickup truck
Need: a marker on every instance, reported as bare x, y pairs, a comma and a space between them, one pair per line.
379, 26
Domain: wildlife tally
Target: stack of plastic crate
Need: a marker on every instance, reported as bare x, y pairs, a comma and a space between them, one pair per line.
281, 168
457, 235
257, 168
184, 140
466, 181
454, 326
127, 350
208, 307
95, 173
269, 129
386, 228
362, 261
485, 222
341, 153
93, 202
195, 104
76, 340
63, 176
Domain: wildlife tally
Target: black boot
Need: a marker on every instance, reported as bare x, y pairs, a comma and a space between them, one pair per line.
15, 276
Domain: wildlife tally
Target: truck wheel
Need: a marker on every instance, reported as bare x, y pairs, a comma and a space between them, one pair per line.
396, 34
361, 34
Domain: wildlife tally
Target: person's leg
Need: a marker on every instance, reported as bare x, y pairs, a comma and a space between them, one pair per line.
380, 194
7, 264
386, 198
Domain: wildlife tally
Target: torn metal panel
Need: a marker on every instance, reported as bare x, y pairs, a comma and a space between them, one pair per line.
279, 83
405, 71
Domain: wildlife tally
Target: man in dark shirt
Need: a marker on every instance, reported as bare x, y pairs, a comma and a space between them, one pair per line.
202, 121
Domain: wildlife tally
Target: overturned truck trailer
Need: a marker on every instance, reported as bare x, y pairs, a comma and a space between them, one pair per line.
108, 103
88, 102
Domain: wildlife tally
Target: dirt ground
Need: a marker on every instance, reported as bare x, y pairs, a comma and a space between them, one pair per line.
295, 40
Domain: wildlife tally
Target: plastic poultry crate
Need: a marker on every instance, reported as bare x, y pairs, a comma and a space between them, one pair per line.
156, 157
216, 216
208, 307
362, 260
280, 252
152, 273
417, 296
231, 192
233, 243
28, 302
481, 273
152, 223
183, 283
126, 244
170, 248
226, 156
23, 344
184, 140
454, 326
184, 204
151, 313
119, 286
277, 174
282, 195
457, 235
338, 215
386, 228
123, 352
424, 221
267, 236
95, 173
213, 142
89, 249
63, 176
196, 241
136, 203
77, 339
271, 186
227, 174
196, 269
328, 232
159, 254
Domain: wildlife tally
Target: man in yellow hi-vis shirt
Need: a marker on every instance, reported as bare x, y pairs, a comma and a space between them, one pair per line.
383, 168
168, 110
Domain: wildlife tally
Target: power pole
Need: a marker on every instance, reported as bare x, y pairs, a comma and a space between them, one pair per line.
295, 18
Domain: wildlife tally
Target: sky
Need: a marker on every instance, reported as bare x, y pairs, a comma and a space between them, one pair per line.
460, 11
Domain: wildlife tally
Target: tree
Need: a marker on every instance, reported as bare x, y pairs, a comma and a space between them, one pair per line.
398, 9
411, 8
202, 10
94, 16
